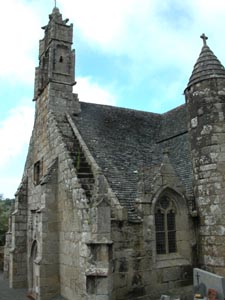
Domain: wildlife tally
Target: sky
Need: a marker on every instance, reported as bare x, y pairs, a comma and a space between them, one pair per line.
137, 54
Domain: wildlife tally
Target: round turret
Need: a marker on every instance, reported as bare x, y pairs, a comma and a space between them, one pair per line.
205, 100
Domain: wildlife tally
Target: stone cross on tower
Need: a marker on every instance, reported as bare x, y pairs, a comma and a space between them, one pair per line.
204, 38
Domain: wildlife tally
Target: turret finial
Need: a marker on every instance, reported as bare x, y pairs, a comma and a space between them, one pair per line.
55, 9
204, 38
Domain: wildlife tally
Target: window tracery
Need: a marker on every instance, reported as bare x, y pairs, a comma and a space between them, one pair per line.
165, 226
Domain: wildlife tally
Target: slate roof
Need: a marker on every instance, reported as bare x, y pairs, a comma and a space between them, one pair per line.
173, 123
123, 141
174, 137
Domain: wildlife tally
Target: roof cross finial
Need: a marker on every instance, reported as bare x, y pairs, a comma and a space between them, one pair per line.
204, 38
55, 3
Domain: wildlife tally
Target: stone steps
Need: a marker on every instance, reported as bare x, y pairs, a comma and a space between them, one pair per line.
84, 172
85, 175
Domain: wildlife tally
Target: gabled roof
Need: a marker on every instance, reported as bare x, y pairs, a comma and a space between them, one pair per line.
124, 141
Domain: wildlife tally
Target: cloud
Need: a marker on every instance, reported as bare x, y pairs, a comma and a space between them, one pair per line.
152, 33
89, 91
148, 31
15, 132
19, 28
105, 23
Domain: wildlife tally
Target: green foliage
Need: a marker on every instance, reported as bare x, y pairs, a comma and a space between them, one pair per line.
5, 207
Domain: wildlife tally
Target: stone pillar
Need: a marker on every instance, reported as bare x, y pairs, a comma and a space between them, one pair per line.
1, 257
8, 241
206, 125
18, 252
47, 264
99, 281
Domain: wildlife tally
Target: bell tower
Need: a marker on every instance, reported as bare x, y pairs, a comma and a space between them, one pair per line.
56, 70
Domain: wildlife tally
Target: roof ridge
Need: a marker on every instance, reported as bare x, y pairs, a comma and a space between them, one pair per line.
174, 109
121, 108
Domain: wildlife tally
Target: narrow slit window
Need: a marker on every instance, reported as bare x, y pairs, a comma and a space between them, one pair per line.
37, 172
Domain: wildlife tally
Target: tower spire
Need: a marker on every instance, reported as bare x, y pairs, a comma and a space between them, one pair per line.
55, 3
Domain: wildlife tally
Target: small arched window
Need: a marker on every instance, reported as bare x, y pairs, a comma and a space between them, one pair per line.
165, 226
61, 59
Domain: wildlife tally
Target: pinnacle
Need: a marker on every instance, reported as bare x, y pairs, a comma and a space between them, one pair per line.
55, 10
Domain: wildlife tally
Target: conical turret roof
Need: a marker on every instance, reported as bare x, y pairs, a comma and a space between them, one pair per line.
207, 66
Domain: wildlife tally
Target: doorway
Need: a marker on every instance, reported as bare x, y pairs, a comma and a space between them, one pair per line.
33, 272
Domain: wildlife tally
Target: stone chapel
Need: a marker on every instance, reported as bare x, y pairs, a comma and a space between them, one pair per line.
115, 203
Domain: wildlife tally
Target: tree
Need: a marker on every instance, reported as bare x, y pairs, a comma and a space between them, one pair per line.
5, 208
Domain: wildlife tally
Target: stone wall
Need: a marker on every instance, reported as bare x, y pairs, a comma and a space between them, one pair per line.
130, 261
63, 229
45, 212
41, 265
18, 248
164, 272
85, 227
138, 273
206, 107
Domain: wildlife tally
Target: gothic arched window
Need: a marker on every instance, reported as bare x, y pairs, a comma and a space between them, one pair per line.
165, 226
